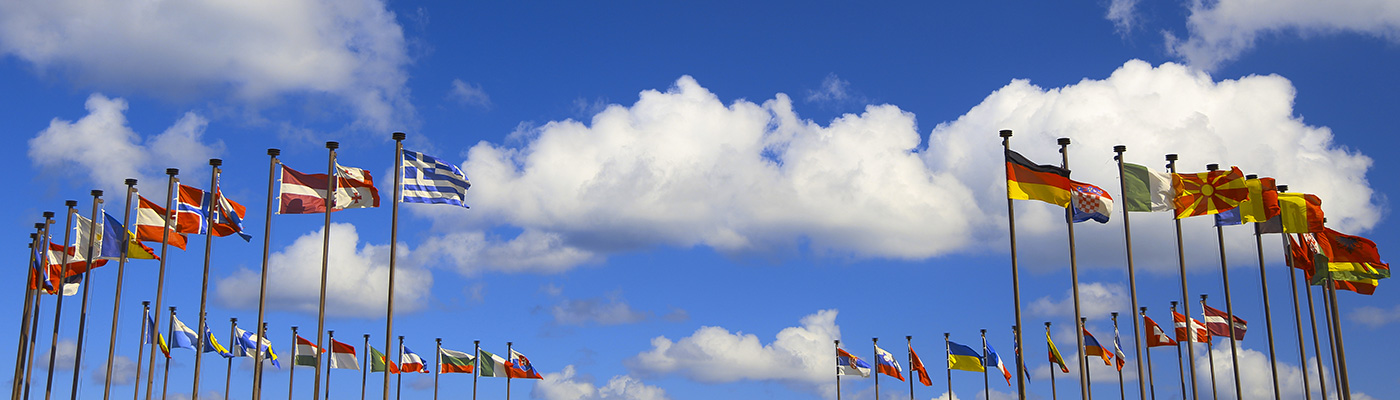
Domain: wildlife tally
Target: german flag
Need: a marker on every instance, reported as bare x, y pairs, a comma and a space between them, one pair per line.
1029, 181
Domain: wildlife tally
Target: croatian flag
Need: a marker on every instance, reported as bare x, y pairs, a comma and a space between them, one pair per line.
1090, 202
886, 364
427, 179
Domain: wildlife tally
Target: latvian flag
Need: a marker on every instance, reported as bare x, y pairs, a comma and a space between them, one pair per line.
1215, 322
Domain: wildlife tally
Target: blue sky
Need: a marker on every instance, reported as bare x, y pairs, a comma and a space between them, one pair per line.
692, 200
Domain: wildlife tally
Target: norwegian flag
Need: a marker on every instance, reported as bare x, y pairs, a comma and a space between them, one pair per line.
193, 206
1090, 202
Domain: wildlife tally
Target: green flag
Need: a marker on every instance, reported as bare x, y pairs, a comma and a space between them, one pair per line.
491, 365
1145, 190
376, 362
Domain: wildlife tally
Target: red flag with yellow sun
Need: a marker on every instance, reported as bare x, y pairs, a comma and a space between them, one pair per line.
1208, 193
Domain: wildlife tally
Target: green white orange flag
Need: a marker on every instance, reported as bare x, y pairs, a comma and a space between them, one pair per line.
1146, 190
490, 365
456, 362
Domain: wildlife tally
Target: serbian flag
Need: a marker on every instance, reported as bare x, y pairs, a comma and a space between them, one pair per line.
1198, 330
411, 362
1155, 336
886, 364
1093, 348
1216, 323
847, 364
343, 356
519, 367
150, 224
1090, 202
1208, 193
918, 366
994, 361
306, 193
1026, 180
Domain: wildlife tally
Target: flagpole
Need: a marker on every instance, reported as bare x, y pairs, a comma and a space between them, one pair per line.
1297, 314
34, 330
141, 347
1015, 280
1181, 262
165, 376
160, 280
393, 246
87, 283
1340, 357
1122, 395
1317, 343
877, 379
1084, 359
398, 389
330, 335
909, 339
1151, 385
29, 295
437, 359
1048, 350
476, 369
262, 285
364, 371
325, 267
1188, 343
291, 375
1074, 281
58, 305
946, 348
874, 347
117, 297
232, 342
213, 207
1229, 305
1268, 317
1132, 282
986, 387
1210, 347
838, 370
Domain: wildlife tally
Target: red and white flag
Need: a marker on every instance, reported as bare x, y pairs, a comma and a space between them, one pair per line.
1215, 322
150, 222
411, 362
1155, 336
306, 193
519, 367
343, 356
1198, 330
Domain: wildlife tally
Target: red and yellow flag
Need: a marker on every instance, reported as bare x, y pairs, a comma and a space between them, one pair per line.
1208, 193
1026, 180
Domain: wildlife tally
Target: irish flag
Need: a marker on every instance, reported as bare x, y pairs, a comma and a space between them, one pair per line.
343, 356
456, 362
305, 352
491, 365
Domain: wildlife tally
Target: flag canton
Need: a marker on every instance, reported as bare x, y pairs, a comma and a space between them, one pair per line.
427, 179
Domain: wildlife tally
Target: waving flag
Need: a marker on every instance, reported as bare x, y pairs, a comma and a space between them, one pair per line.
1217, 325
343, 356
427, 179
886, 364
1090, 202
1360, 277
39, 275
153, 335
1208, 193
917, 365
1262, 203
1055, 357
456, 362
305, 353
1155, 336
491, 365
181, 336
212, 345
113, 236
150, 224
994, 361
520, 367
1198, 330
379, 363
1146, 190
847, 364
964, 358
306, 193
411, 362
1298, 213
1093, 348
1026, 180
194, 205
247, 343
1119, 358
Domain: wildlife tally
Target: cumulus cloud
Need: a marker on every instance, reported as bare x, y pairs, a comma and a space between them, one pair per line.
255, 50
356, 285
469, 94
475, 251
103, 148
1375, 317
64, 355
1256, 377
1123, 14
1219, 31
1096, 300
564, 385
123, 371
798, 356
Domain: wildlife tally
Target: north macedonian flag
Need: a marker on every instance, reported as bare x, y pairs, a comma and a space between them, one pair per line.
1026, 180
1208, 193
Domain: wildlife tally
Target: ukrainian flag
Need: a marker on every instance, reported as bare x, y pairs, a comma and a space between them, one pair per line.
964, 358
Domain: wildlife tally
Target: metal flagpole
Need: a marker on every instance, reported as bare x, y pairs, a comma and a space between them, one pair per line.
213, 207
291, 375
1053, 393
87, 283
1180, 371
262, 285
437, 359
1121, 393
1074, 281
165, 376
398, 389
1268, 317
508, 348
476, 370
873, 345
1181, 262
141, 347
910, 341
1132, 282
947, 351
30, 276
986, 387
117, 298
58, 305
1332, 341
1297, 315
393, 246
232, 343
160, 280
1015, 280
1210, 349
1084, 360
838, 371
330, 336
364, 371
325, 267
34, 329
1229, 306
1344, 387
1317, 344
1151, 385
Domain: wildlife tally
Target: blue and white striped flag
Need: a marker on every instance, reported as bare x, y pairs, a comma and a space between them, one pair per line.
427, 179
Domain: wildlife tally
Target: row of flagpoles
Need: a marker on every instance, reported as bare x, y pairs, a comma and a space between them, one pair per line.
90, 242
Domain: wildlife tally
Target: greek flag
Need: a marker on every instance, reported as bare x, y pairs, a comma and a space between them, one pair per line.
427, 179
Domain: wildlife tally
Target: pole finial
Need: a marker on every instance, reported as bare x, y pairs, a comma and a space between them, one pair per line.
399, 136
71, 203
1212, 167
1282, 188
49, 214
215, 162
1047, 324
131, 181
1064, 141
1006, 133
172, 171
332, 145
1251, 176
146, 303
1203, 297
274, 152
1143, 309
984, 331
96, 193
1120, 148
38, 225
908, 337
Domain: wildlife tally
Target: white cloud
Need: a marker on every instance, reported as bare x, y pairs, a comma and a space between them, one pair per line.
102, 148
123, 371
1124, 15
610, 311
1375, 317
64, 355
833, 89
1256, 376
799, 356
473, 252
1096, 300
1219, 31
256, 50
356, 285
469, 94
563, 386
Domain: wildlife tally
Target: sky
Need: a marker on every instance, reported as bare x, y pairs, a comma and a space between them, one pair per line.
679, 200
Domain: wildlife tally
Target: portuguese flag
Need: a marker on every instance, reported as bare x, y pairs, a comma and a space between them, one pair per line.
456, 362
377, 364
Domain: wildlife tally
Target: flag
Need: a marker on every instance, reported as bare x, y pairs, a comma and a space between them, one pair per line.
1016, 343
1262, 203
1028, 181
1298, 213
1228, 217
1217, 325
154, 333
1090, 202
1145, 190
456, 362
150, 222
193, 206
84, 245
343, 356
306, 193
427, 179
1093, 348
1353, 258
847, 364
1361, 277
305, 353
886, 364
1155, 336
964, 358
519, 367
1119, 358
379, 363
917, 365
39, 276
212, 345
411, 362
994, 361
181, 336
247, 343
1198, 330
113, 234
491, 365
67, 284
1055, 353
1208, 193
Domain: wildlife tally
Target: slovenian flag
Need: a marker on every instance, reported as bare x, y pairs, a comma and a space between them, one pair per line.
886, 364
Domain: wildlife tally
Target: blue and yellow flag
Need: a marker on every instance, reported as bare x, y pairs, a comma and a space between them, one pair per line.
964, 358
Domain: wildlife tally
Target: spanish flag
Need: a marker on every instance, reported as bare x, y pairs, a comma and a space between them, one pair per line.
1029, 181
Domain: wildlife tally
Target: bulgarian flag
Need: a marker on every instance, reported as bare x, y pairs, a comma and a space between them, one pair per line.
456, 362
377, 364
305, 353
343, 356
491, 365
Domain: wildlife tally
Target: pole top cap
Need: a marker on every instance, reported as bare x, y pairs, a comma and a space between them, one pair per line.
146, 302
1047, 324
1005, 133
1143, 309
984, 331
216, 162
332, 145
274, 152
172, 171
38, 225
1282, 188
131, 181
1064, 141
1212, 167
400, 135
1171, 157
366, 336
71, 203
48, 214
1120, 148
96, 193
909, 337
1251, 176
1203, 296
